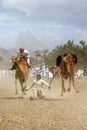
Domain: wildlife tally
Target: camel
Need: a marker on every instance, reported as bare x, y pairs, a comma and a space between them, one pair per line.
21, 74
67, 63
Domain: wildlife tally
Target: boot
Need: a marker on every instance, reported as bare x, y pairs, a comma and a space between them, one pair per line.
13, 67
29, 66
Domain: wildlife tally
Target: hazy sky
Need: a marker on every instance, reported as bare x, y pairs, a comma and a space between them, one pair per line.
51, 21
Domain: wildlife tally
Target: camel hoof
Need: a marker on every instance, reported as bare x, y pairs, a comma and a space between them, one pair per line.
69, 89
33, 98
77, 91
25, 88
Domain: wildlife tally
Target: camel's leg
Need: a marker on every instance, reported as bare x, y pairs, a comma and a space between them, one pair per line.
24, 93
16, 80
71, 79
73, 83
69, 88
26, 81
16, 90
22, 87
63, 87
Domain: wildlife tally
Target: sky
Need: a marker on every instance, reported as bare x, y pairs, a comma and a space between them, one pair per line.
53, 22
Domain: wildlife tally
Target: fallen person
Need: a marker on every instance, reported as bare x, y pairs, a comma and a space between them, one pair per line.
38, 88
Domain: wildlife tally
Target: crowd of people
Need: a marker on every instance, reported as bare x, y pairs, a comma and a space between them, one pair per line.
42, 69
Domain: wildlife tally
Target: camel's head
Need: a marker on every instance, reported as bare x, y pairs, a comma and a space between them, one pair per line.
14, 59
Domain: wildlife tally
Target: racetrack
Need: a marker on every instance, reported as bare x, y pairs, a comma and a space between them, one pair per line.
53, 113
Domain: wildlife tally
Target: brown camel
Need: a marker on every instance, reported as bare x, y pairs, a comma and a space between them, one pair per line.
21, 73
67, 63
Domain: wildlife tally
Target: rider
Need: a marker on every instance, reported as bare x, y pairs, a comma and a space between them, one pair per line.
23, 53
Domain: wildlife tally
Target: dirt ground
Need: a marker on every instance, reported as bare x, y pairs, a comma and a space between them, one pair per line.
53, 113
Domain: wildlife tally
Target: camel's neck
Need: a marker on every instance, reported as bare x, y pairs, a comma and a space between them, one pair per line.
22, 66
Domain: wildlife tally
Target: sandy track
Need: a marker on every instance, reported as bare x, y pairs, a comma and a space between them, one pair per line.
54, 113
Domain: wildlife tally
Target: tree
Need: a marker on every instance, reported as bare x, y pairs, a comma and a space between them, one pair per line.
80, 50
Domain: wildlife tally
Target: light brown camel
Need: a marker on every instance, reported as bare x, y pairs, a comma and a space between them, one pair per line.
21, 73
67, 63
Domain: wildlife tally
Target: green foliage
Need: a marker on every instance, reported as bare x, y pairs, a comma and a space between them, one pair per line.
79, 50
1, 59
